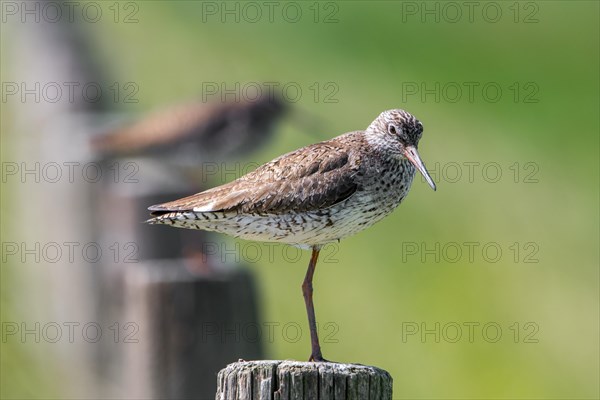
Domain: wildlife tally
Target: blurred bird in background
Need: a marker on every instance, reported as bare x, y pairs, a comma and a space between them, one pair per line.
187, 134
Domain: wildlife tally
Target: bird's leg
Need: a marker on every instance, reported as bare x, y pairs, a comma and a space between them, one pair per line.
307, 291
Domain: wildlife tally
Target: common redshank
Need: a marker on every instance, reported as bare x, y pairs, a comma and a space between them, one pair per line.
312, 196
196, 132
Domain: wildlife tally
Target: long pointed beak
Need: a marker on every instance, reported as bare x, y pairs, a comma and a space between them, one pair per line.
413, 156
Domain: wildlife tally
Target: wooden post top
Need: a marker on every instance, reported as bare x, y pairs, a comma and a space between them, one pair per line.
291, 380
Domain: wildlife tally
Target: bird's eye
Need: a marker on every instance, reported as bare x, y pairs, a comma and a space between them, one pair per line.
392, 129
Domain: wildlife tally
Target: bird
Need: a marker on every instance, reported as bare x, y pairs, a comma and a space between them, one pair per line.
189, 133
312, 196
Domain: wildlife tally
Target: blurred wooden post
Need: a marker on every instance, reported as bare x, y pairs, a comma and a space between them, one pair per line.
43, 132
189, 325
291, 380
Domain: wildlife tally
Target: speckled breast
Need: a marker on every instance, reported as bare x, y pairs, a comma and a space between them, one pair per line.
382, 191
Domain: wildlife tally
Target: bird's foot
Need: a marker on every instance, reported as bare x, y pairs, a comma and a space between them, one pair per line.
317, 358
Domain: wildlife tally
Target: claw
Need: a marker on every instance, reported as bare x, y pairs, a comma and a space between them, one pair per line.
317, 358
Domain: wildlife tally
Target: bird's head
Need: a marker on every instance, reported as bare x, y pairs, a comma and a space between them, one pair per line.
398, 133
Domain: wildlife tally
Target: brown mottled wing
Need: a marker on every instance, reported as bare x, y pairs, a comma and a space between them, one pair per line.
310, 178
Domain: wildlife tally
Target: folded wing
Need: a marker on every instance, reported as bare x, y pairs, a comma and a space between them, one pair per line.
310, 178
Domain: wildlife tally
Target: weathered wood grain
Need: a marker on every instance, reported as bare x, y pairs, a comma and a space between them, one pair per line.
294, 380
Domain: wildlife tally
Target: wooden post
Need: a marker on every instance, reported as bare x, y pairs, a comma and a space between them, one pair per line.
187, 327
294, 380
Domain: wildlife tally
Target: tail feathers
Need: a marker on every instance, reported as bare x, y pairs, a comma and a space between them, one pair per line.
169, 217
179, 217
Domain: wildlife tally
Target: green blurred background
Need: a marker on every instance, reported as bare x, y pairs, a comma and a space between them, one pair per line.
374, 288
